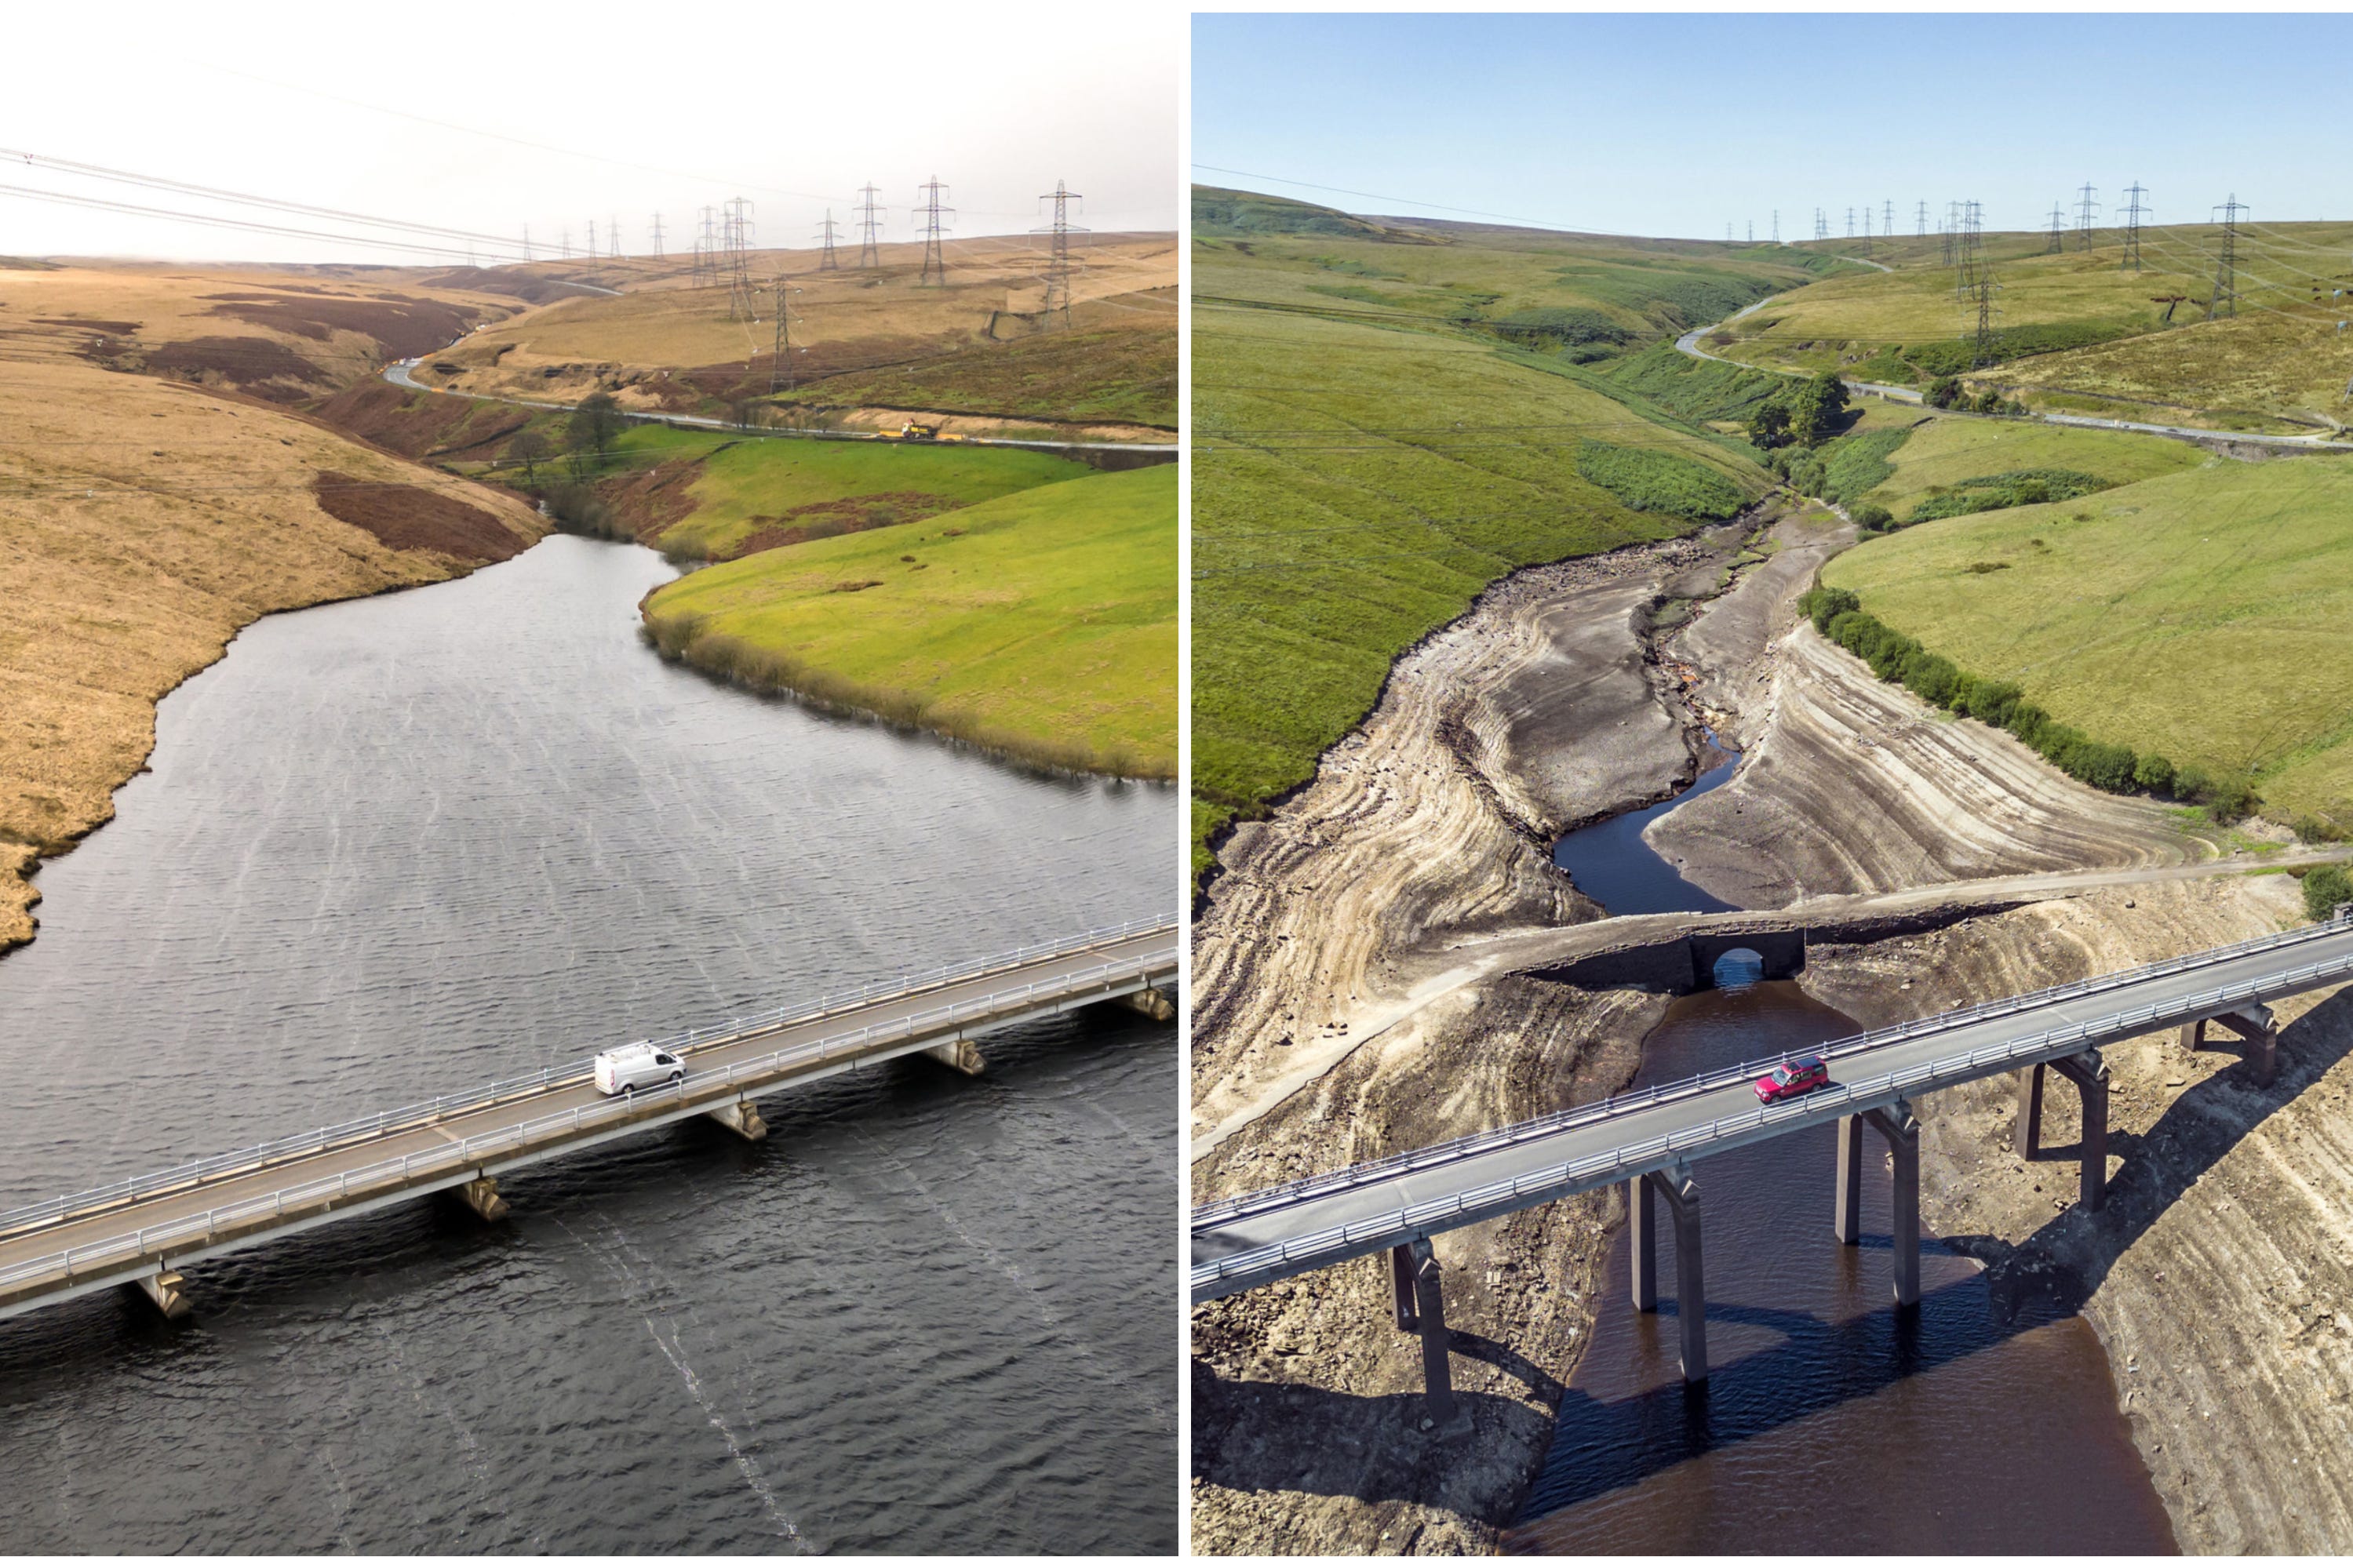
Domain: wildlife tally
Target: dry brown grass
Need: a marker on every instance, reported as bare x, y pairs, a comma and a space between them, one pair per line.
288, 333
645, 344
142, 524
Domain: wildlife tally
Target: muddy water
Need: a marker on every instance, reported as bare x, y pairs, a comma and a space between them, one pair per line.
1829, 1422
410, 844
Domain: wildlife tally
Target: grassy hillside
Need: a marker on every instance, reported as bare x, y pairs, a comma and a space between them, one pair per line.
2077, 331
1360, 476
708, 497
2196, 614
1041, 624
1923, 457
664, 343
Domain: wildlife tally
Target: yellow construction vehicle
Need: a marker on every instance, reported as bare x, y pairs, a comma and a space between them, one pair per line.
912, 431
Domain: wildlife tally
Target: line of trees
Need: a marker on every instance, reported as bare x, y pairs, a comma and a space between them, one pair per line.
1838, 615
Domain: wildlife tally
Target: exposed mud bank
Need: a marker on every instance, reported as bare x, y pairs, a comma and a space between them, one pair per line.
1307, 1409
2219, 1275
1542, 707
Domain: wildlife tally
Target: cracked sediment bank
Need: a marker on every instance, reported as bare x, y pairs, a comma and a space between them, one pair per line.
1359, 988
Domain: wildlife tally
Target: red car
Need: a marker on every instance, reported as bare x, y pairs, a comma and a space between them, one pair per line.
1799, 1074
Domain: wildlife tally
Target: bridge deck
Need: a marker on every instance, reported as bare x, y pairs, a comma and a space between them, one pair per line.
135, 1230
1242, 1242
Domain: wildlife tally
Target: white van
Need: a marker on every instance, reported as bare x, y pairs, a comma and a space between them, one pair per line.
638, 1066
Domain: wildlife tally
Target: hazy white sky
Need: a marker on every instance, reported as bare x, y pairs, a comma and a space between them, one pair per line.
634, 109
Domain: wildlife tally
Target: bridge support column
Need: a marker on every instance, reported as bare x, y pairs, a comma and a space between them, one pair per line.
1429, 1318
2089, 1074
164, 1288
481, 1196
1681, 1193
1401, 1289
2029, 1139
960, 1054
1642, 1237
1152, 1002
2253, 1024
1902, 1131
743, 1119
1846, 1219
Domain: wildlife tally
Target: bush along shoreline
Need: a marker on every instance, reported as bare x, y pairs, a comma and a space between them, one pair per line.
1837, 614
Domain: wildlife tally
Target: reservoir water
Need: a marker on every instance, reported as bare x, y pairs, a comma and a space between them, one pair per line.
401, 845
1830, 1421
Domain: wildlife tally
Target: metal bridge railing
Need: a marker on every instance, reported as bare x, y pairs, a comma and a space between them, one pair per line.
714, 1083
197, 1173
1502, 1195
1707, 1082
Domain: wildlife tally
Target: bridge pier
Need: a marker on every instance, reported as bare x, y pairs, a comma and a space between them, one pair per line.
1681, 1193
481, 1196
2089, 1074
960, 1054
1846, 1220
164, 1288
1419, 1298
743, 1119
1152, 1002
1902, 1130
2254, 1026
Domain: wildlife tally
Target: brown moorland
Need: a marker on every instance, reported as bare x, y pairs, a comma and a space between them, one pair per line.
144, 520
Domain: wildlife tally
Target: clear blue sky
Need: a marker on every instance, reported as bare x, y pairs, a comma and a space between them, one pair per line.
1672, 125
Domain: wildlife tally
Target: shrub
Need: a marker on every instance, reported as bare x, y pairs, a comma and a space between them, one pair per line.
2154, 774
1823, 605
1872, 518
2324, 888
1651, 480
2230, 797
1943, 392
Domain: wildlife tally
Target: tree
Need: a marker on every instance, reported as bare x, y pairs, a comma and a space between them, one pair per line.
594, 423
2324, 888
1768, 426
1817, 409
1943, 392
1872, 518
530, 448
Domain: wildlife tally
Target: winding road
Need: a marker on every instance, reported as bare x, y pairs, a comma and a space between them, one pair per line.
1689, 344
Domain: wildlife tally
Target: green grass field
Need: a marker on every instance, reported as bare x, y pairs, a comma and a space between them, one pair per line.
1944, 450
1360, 476
2197, 615
754, 485
1041, 624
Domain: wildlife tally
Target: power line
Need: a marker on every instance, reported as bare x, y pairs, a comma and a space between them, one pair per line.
253, 226
2132, 227
870, 224
828, 264
2057, 220
1924, 220
658, 237
2224, 300
243, 198
2085, 208
1058, 268
936, 266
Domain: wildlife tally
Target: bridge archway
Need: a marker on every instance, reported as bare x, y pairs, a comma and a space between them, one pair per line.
1769, 955
1736, 967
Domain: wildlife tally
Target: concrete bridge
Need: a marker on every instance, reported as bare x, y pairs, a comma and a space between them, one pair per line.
140, 1234
1649, 1139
